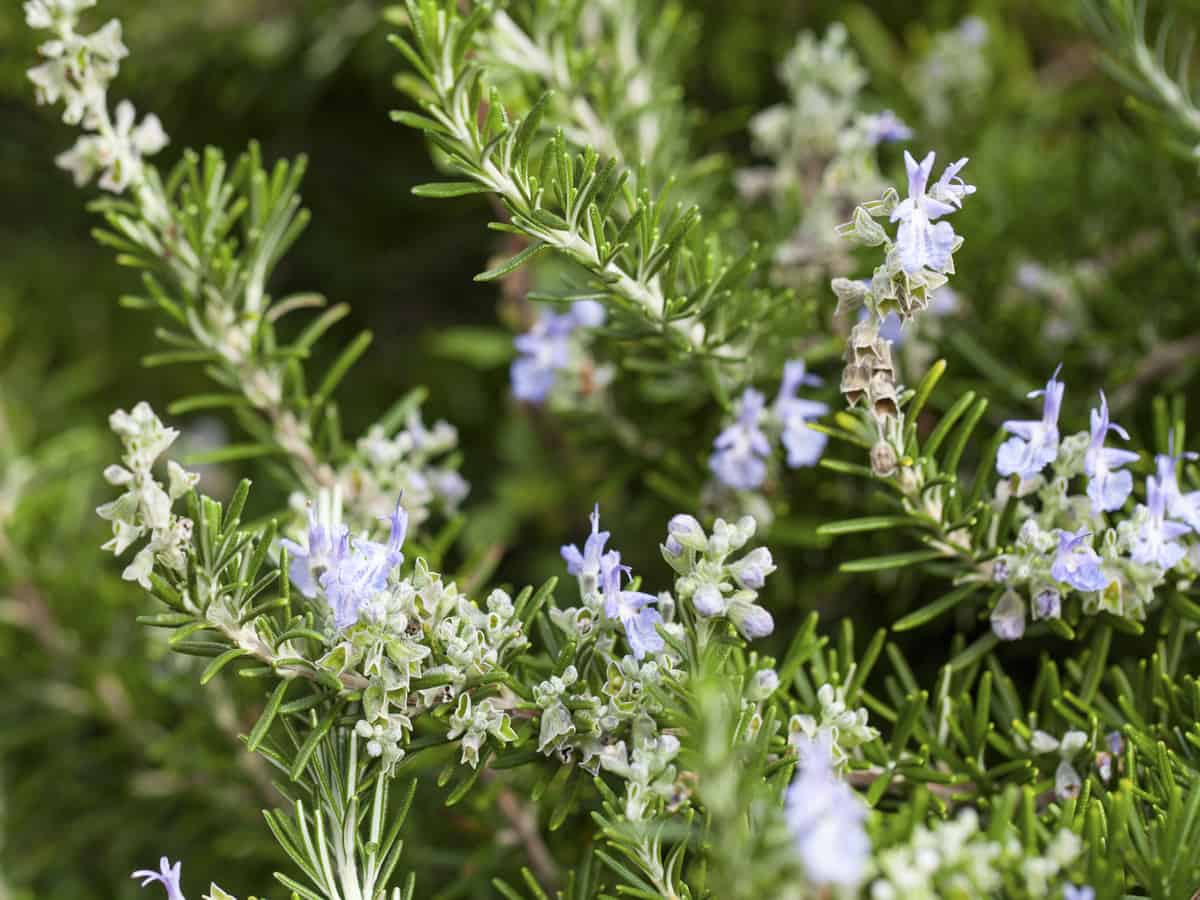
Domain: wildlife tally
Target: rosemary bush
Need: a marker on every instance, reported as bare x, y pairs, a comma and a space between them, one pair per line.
798, 502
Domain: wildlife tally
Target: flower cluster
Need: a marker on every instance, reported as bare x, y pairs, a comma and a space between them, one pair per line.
843, 729
552, 356
822, 146
77, 69
1080, 539
955, 858
916, 264
146, 504
742, 451
714, 585
600, 575
416, 463
393, 628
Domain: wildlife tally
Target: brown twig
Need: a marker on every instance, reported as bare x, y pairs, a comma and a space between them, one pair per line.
523, 820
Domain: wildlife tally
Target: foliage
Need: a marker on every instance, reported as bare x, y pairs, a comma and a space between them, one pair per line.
966, 667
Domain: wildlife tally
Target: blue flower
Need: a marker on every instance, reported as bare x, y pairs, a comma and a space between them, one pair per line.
308, 562
886, 126
546, 348
922, 244
1178, 504
1154, 543
586, 565
741, 449
348, 570
826, 819
951, 187
1109, 484
168, 876
804, 444
1034, 444
1082, 892
633, 609
1077, 564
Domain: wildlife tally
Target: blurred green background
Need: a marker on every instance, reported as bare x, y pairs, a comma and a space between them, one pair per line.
110, 753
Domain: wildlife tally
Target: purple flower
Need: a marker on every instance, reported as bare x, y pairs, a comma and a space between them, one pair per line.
804, 444
1178, 504
741, 449
1082, 892
633, 609
168, 876
1154, 543
921, 243
1077, 564
1109, 484
886, 126
826, 819
1034, 444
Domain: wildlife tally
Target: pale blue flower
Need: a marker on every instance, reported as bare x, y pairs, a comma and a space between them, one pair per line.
1034, 444
585, 564
1178, 504
1082, 892
886, 126
921, 243
1154, 543
741, 449
1109, 485
168, 876
1077, 564
950, 187
827, 820
307, 563
546, 348
633, 609
348, 570
804, 444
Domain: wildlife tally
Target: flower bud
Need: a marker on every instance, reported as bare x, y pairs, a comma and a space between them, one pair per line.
1008, 618
686, 531
883, 460
764, 683
751, 620
751, 570
708, 600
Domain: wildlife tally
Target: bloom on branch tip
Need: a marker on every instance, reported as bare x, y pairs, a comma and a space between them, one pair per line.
1109, 485
921, 244
1034, 444
168, 876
